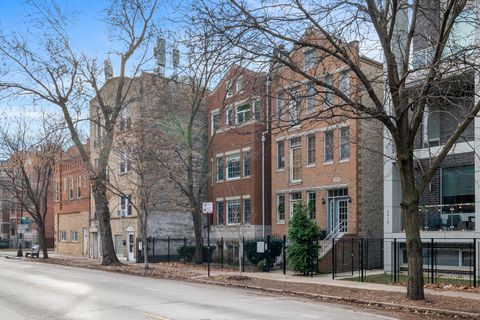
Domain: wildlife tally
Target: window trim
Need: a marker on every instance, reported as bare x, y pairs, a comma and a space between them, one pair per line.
227, 176
291, 160
228, 212
244, 200
246, 112
71, 193
79, 187
329, 161
244, 153
278, 204
239, 81
313, 163
212, 122
277, 156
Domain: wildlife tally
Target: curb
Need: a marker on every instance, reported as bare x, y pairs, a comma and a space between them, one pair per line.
413, 309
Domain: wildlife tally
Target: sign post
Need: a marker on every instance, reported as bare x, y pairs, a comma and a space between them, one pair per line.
207, 208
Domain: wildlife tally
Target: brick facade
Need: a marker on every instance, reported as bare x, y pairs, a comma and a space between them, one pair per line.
325, 181
241, 136
71, 198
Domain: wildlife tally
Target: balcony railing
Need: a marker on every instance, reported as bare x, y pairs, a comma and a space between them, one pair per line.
448, 217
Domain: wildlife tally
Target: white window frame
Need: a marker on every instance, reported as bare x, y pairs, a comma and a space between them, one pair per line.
125, 205
239, 86
229, 89
278, 156
309, 150
291, 148
228, 177
293, 201
342, 131
213, 129
284, 208
73, 235
244, 163
309, 59
256, 106
245, 113
229, 120
70, 189
79, 187
63, 235
244, 200
227, 207
325, 146
124, 160
222, 169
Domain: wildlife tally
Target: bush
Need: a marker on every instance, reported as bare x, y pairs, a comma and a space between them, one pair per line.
4, 244
301, 231
259, 259
187, 253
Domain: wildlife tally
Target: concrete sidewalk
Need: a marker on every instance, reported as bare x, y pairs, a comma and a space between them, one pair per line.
327, 280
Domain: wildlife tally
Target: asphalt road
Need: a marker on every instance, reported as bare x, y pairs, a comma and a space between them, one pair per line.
42, 291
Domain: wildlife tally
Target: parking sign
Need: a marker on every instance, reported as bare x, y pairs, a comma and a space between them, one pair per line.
207, 207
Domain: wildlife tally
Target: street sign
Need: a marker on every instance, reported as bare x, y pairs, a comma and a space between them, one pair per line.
207, 207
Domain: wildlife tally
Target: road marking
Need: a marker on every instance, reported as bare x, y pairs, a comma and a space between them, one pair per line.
155, 316
309, 316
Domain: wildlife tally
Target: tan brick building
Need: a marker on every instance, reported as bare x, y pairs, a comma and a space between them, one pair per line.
71, 197
326, 160
237, 124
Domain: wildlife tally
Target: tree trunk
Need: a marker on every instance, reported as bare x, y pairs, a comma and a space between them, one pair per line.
198, 226
409, 209
42, 239
109, 256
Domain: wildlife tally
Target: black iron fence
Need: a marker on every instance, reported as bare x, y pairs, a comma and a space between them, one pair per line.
451, 261
445, 260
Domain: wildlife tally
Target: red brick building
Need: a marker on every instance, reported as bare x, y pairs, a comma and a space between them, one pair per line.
239, 171
71, 203
323, 158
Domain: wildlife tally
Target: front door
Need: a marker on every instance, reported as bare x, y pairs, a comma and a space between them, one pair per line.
337, 213
131, 246
85, 241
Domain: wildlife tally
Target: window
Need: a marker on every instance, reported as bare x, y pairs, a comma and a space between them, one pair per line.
70, 188
294, 110
295, 160
79, 186
344, 83
125, 204
312, 204
125, 121
328, 146
256, 109
219, 212
311, 98
233, 166
295, 202
280, 155
233, 212
229, 88
73, 236
247, 210
328, 92
215, 122
239, 85
431, 127
57, 191
219, 169
281, 207
243, 113
458, 185
246, 163
280, 105
125, 163
229, 117
63, 235
64, 184
311, 150
344, 143
309, 59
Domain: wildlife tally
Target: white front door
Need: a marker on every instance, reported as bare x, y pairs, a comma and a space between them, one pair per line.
131, 246
85, 241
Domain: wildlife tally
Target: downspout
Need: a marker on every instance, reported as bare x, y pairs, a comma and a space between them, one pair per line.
267, 130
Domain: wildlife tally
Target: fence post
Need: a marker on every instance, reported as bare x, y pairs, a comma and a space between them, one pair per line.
395, 260
432, 261
153, 249
185, 246
268, 253
284, 254
474, 262
317, 248
333, 258
361, 259
168, 248
352, 255
221, 257
243, 254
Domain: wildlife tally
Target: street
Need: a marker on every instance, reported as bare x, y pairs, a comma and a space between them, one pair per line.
43, 291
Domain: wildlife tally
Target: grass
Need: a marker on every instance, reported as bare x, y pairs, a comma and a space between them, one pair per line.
385, 278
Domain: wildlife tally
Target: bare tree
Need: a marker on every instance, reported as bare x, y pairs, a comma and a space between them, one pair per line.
388, 30
51, 71
27, 165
